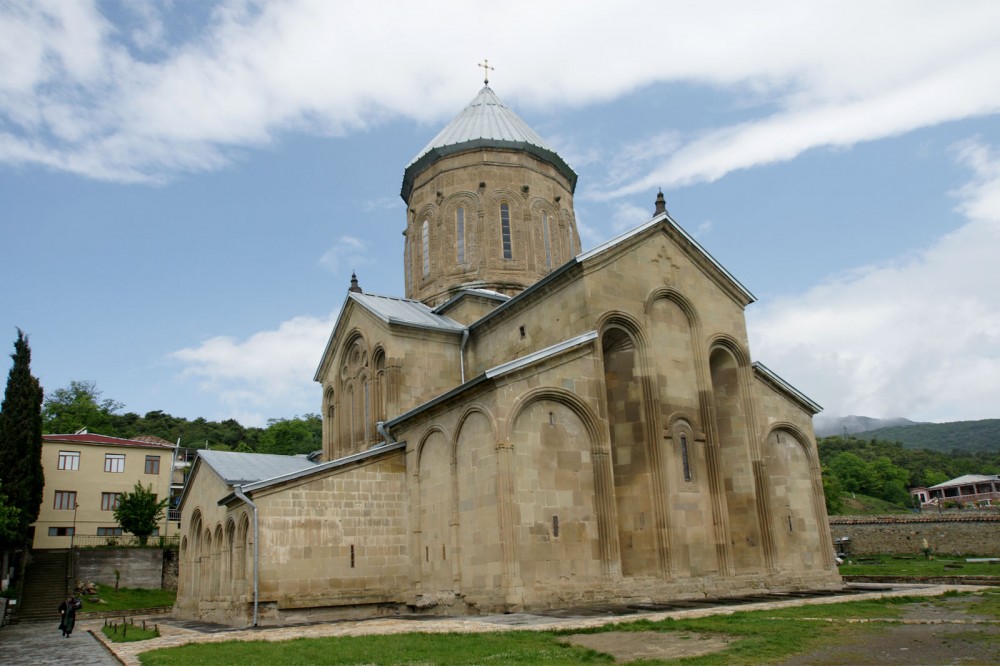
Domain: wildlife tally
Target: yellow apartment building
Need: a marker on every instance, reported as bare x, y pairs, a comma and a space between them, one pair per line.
85, 474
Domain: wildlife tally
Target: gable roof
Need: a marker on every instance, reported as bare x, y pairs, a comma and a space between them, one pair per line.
663, 219
485, 123
392, 311
966, 479
105, 440
771, 378
241, 468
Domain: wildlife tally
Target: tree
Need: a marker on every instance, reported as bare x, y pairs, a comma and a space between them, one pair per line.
81, 406
292, 436
8, 520
21, 474
139, 512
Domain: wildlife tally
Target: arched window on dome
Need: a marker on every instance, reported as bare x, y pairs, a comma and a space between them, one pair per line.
505, 231
460, 235
426, 244
548, 242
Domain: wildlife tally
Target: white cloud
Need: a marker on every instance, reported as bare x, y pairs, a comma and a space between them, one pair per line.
75, 97
628, 216
348, 253
918, 338
269, 374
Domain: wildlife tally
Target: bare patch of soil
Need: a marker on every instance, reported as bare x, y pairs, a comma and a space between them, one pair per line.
627, 646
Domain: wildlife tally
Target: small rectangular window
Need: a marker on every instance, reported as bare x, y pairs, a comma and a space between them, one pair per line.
109, 501
152, 464
69, 460
109, 531
114, 462
60, 531
65, 500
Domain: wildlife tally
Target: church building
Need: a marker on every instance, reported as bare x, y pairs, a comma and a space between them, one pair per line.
531, 427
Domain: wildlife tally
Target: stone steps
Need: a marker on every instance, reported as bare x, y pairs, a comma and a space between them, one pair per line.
45, 586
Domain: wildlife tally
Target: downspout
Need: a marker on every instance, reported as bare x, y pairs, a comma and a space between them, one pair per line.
386, 437
238, 491
461, 351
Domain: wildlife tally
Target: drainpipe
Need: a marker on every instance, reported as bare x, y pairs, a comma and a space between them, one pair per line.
461, 351
386, 437
238, 491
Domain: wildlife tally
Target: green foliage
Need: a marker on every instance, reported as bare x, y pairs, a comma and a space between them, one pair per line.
886, 470
139, 512
21, 474
67, 410
292, 436
9, 520
81, 405
964, 436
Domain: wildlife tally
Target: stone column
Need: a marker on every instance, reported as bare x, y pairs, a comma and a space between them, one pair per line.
506, 510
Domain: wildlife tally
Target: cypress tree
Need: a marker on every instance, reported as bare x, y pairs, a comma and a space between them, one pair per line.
21, 475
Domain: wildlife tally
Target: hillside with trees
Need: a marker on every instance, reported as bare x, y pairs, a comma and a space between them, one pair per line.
82, 405
887, 469
955, 436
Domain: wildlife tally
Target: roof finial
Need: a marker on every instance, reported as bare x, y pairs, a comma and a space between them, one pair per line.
485, 64
661, 204
354, 284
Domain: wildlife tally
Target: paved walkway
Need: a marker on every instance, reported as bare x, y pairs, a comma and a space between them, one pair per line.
40, 643
31, 643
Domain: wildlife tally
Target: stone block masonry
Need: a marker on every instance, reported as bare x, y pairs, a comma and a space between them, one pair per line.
947, 534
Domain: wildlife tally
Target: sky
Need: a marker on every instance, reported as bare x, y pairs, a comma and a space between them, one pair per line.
186, 187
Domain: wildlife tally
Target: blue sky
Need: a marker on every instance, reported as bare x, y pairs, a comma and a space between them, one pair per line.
186, 187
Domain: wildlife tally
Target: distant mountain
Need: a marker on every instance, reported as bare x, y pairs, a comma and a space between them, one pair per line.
969, 436
852, 425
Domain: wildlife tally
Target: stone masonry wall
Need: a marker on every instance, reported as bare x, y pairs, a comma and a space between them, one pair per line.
946, 534
139, 567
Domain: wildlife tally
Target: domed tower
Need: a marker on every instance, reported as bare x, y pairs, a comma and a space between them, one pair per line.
489, 206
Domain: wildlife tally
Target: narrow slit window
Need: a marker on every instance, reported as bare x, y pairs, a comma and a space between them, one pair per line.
460, 235
555, 526
352, 555
684, 458
545, 236
443, 554
426, 243
505, 231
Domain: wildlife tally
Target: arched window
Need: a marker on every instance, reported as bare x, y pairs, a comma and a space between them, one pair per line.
505, 230
545, 236
685, 461
426, 236
460, 235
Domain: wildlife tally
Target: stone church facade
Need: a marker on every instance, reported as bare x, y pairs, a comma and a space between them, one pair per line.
530, 427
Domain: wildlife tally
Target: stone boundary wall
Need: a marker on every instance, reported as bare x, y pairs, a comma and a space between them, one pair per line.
946, 534
139, 567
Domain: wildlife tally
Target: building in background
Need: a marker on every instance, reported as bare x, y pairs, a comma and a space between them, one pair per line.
84, 476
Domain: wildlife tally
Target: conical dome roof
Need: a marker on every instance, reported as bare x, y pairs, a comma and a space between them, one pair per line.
485, 122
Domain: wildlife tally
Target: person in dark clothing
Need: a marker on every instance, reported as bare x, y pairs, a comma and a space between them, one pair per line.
67, 615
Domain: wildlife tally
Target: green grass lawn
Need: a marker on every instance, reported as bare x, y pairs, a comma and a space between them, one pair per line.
125, 599
761, 637
916, 565
127, 633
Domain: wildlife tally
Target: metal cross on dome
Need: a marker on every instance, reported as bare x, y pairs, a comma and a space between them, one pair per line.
485, 64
